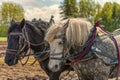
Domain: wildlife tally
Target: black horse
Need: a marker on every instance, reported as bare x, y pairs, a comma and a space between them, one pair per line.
24, 35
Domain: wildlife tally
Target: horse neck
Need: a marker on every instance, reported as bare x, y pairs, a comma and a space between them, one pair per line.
39, 48
76, 50
36, 36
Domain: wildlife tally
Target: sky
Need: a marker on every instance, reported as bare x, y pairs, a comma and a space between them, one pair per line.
44, 8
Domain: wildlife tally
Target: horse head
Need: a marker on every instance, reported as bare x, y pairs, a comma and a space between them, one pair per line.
57, 42
16, 42
62, 37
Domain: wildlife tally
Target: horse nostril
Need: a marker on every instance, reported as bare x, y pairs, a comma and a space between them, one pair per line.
9, 60
56, 66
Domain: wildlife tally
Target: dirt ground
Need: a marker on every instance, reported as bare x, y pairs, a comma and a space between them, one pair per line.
27, 72
19, 72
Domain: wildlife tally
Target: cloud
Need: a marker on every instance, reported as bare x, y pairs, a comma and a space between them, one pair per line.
118, 1
52, 0
36, 9
102, 2
25, 3
44, 8
44, 13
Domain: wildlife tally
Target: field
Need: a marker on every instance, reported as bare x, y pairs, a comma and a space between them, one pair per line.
27, 72
3, 39
19, 72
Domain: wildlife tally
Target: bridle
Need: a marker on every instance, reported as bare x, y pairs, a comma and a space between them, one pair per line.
65, 47
64, 54
27, 43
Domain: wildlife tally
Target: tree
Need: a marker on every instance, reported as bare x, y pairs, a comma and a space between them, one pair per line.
116, 15
98, 12
11, 11
69, 9
87, 9
106, 14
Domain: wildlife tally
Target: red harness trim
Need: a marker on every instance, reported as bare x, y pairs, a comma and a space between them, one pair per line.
83, 53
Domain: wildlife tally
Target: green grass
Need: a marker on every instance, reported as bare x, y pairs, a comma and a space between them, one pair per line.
3, 31
3, 39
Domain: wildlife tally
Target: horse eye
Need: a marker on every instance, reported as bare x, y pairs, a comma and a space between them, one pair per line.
16, 38
60, 43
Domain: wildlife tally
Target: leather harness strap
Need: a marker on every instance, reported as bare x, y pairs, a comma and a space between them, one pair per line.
86, 50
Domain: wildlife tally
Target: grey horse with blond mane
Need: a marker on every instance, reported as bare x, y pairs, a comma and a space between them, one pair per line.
70, 37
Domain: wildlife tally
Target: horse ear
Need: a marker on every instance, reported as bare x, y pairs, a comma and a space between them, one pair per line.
12, 21
66, 25
22, 23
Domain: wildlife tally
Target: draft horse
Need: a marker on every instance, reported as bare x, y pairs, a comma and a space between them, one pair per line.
93, 57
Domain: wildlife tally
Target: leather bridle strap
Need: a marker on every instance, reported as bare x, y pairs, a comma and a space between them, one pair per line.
14, 33
12, 51
26, 37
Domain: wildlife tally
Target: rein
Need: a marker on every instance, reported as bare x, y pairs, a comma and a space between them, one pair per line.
26, 37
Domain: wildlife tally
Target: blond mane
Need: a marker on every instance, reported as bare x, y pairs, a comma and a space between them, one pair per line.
77, 32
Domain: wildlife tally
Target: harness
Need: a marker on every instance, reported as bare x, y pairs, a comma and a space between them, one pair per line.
86, 50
